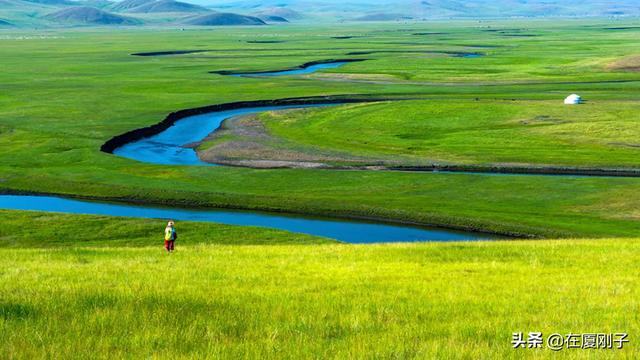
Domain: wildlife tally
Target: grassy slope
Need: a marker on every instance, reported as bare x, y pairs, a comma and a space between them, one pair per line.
61, 98
25, 13
86, 297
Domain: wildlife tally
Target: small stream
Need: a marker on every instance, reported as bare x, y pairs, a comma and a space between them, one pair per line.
301, 71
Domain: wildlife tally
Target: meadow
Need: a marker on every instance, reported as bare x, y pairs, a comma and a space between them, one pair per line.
94, 287
64, 95
599, 134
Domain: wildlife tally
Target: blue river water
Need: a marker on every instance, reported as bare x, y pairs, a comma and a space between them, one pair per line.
301, 71
168, 147
349, 231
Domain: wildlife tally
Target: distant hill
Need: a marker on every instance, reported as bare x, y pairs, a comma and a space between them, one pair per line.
219, 19
169, 6
42, 13
382, 17
273, 18
100, 4
89, 16
388, 10
128, 5
280, 11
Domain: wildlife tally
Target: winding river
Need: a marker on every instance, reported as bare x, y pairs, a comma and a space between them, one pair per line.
350, 231
301, 71
306, 68
168, 147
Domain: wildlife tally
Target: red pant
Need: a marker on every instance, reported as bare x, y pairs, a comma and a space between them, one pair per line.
168, 244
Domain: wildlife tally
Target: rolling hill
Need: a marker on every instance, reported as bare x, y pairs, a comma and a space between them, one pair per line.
41, 13
332, 10
47, 13
167, 6
128, 5
99, 4
85, 15
382, 17
220, 19
280, 11
273, 18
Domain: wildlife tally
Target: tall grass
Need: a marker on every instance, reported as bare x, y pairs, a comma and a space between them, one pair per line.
315, 301
237, 292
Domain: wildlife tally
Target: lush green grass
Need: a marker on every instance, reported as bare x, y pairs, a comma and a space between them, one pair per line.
61, 97
87, 296
23, 229
599, 134
87, 287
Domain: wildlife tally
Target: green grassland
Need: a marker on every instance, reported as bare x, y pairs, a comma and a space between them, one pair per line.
94, 287
62, 95
25, 229
97, 287
599, 134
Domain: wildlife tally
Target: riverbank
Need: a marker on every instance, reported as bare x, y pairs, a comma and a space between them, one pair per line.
348, 231
415, 230
245, 141
539, 206
262, 150
306, 68
521, 137
112, 144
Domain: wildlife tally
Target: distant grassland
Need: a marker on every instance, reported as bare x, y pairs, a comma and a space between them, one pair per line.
78, 287
64, 93
629, 63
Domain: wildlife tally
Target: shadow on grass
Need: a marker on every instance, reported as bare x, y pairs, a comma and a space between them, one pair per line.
16, 311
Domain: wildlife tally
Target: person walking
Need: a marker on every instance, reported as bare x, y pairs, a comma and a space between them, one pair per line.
170, 236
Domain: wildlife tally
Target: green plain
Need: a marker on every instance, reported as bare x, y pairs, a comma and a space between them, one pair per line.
600, 134
94, 287
226, 294
64, 93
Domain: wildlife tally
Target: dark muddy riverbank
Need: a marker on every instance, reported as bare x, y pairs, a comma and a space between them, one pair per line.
305, 68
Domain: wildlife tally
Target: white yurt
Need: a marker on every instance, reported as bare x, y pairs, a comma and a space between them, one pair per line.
573, 99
